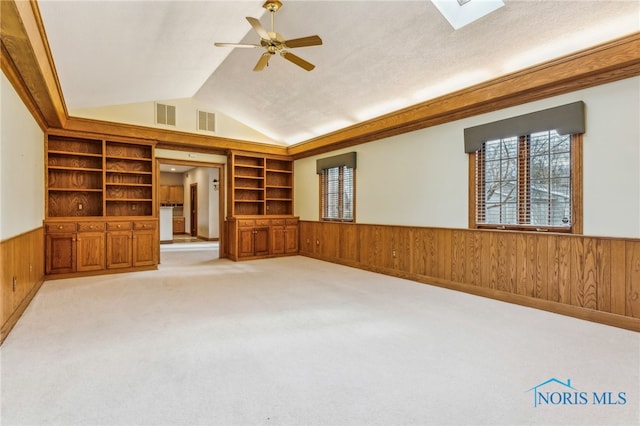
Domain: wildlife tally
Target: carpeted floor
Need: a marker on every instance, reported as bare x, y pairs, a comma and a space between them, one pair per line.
298, 341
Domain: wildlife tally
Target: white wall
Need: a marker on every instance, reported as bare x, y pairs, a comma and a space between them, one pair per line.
420, 178
21, 166
208, 201
143, 114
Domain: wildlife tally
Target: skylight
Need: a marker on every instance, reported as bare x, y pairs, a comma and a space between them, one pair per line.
462, 12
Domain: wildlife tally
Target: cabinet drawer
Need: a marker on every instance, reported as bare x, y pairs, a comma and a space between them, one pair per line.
144, 225
246, 222
292, 221
262, 222
61, 227
118, 226
277, 222
90, 226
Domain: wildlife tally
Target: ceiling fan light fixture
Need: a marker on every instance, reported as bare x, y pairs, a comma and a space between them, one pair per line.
463, 2
273, 42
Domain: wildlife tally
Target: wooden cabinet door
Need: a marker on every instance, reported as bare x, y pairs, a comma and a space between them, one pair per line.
119, 249
60, 253
176, 194
261, 241
164, 194
291, 239
178, 225
278, 239
144, 248
90, 251
245, 242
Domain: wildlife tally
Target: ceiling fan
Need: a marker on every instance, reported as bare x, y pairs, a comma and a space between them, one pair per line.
274, 43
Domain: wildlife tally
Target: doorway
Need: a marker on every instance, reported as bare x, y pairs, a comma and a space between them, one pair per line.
193, 196
203, 187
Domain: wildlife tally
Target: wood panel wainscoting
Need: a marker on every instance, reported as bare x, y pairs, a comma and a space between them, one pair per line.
22, 275
591, 278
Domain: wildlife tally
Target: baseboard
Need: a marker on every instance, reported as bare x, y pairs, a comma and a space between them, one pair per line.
15, 316
101, 272
207, 238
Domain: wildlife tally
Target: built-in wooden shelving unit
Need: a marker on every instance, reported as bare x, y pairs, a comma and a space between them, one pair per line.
96, 177
260, 184
100, 209
129, 179
260, 204
74, 177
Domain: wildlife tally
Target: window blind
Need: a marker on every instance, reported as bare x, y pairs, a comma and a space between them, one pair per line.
337, 176
336, 194
525, 180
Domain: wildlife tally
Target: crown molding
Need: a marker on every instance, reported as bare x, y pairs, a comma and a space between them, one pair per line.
171, 139
605, 63
28, 64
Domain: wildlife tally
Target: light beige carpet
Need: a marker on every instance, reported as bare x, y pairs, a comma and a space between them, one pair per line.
298, 341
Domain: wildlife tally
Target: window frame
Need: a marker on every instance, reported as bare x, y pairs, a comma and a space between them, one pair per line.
576, 195
323, 194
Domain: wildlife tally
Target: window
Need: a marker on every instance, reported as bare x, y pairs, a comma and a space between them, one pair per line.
336, 193
337, 187
531, 181
528, 181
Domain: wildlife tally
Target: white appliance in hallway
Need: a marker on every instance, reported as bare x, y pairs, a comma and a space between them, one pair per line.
166, 224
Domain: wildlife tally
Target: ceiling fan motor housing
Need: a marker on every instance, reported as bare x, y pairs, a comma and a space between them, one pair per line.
272, 5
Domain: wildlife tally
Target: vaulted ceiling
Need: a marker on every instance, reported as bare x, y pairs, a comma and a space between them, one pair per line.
376, 57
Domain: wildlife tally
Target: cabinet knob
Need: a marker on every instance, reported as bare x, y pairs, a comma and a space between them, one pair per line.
119, 226
60, 226
90, 226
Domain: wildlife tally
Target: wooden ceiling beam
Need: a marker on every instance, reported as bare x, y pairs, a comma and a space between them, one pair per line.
27, 51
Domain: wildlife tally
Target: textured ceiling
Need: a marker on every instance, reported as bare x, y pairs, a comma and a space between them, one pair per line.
377, 56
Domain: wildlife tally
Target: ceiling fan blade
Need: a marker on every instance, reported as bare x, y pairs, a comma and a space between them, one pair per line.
262, 62
246, 46
297, 60
255, 23
313, 40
